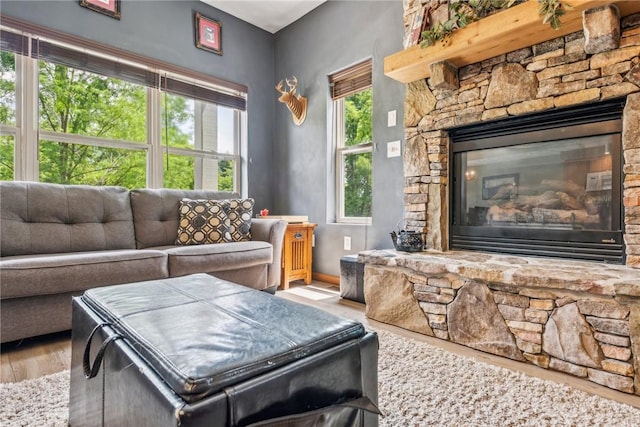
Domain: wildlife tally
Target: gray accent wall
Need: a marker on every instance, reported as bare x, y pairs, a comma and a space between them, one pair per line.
333, 36
289, 167
164, 30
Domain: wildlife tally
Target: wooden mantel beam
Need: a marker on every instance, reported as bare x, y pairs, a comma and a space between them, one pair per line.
511, 29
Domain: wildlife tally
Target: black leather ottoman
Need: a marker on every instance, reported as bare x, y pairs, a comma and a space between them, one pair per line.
352, 278
199, 351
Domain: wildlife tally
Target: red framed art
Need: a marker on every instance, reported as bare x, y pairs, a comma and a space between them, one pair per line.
208, 34
106, 7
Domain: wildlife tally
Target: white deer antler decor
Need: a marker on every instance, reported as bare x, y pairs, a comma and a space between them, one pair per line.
297, 104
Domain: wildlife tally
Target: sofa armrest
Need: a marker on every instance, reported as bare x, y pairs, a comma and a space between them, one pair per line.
272, 231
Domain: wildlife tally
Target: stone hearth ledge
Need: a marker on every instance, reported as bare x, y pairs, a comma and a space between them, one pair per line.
618, 281
581, 318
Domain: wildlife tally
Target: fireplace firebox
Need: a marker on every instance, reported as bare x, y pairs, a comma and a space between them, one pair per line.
545, 184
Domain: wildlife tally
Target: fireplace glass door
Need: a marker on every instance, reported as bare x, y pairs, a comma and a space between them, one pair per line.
543, 191
553, 185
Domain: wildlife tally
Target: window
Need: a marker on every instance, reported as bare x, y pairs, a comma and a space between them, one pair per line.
202, 137
8, 127
101, 119
353, 140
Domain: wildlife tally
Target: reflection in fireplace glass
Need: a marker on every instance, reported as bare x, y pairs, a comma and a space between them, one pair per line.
563, 184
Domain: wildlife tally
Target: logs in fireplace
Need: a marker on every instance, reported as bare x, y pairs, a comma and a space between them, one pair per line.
546, 184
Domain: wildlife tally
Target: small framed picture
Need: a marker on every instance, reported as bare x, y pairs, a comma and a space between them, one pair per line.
107, 7
500, 187
208, 34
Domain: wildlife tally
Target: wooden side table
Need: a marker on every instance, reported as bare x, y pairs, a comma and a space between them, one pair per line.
297, 254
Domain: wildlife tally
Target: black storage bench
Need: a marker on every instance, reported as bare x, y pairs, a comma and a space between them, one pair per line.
200, 351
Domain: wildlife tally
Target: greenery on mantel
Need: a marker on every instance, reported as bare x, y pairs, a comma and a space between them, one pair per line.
466, 12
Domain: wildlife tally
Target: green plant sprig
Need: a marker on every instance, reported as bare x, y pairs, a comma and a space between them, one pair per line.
465, 12
551, 11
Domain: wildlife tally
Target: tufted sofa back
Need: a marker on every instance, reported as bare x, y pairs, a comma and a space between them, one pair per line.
155, 213
40, 218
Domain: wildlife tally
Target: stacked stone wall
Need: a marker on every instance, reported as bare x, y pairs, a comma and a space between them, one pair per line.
543, 328
554, 74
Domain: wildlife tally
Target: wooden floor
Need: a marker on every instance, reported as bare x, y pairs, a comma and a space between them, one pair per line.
40, 356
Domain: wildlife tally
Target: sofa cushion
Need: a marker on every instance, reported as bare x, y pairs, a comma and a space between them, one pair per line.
25, 276
202, 222
40, 218
185, 260
155, 213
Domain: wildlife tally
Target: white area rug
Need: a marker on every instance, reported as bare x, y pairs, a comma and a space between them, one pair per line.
419, 385
423, 385
43, 402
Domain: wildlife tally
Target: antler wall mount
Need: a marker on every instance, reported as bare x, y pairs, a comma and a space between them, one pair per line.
296, 103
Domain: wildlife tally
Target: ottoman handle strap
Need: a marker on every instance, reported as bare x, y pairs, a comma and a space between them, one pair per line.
89, 371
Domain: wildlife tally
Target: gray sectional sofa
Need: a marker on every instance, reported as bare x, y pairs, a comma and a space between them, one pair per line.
56, 241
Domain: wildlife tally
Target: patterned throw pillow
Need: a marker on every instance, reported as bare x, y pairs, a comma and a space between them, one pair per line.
202, 222
239, 212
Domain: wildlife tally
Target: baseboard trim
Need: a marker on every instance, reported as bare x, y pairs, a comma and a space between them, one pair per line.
327, 278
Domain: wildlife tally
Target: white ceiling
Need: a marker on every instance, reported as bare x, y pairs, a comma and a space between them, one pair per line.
270, 15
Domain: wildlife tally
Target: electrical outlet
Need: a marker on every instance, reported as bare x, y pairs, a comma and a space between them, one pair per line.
347, 243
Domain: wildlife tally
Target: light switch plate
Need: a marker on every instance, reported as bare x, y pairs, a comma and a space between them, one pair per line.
391, 118
393, 149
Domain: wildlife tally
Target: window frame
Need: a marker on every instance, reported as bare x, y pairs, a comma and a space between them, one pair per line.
343, 84
27, 134
13, 131
200, 154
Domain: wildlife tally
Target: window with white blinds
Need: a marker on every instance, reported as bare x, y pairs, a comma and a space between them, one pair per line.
109, 117
352, 95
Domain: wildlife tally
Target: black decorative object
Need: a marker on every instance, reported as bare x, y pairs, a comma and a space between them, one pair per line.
408, 241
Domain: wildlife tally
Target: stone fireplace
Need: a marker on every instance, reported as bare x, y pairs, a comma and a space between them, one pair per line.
549, 76
575, 314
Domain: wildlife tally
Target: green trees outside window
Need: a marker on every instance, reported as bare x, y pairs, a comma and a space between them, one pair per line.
77, 102
358, 162
190, 124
